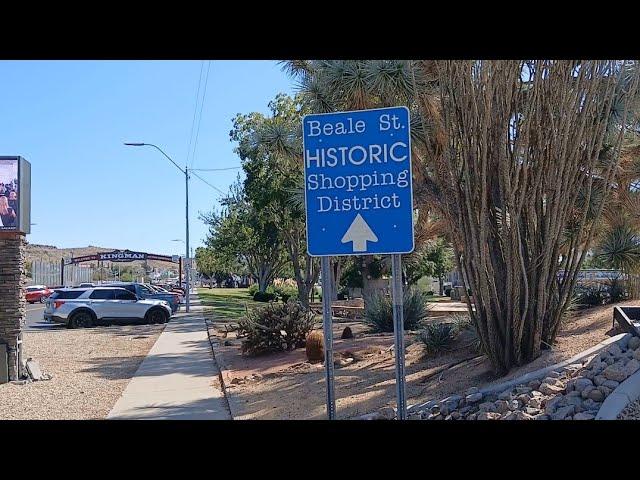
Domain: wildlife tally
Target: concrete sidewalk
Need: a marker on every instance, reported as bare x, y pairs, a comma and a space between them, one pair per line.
178, 380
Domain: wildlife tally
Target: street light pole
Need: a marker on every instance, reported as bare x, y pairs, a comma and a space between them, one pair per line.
186, 180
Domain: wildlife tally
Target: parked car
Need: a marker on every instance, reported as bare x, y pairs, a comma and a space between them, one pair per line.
78, 308
144, 291
161, 289
37, 293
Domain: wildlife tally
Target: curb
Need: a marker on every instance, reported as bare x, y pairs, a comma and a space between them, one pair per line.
626, 393
535, 375
221, 371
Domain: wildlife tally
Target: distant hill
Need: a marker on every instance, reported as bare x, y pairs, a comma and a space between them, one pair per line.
49, 253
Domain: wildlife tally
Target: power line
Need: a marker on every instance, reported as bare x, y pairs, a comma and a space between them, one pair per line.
212, 186
195, 110
213, 169
195, 144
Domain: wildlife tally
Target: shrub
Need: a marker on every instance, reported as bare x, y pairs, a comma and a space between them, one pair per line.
285, 292
253, 288
264, 297
346, 333
592, 296
275, 327
437, 337
430, 292
379, 311
617, 290
461, 322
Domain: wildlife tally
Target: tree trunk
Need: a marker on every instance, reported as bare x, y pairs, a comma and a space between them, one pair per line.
441, 285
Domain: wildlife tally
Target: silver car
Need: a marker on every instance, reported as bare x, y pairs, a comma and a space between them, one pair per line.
77, 307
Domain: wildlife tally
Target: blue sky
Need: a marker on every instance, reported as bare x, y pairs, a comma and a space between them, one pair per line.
70, 118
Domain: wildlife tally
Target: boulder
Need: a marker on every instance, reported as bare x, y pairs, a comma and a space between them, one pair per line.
521, 389
551, 405
599, 380
605, 393
514, 405
634, 343
575, 401
612, 384
636, 354
523, 398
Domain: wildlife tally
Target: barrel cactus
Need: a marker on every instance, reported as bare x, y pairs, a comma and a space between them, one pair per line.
315, 346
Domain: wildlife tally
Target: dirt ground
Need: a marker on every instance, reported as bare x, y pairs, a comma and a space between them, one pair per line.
90, 369
285, 386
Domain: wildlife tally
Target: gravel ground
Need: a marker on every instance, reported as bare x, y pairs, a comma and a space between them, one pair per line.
90, 369
631, 411
369, 384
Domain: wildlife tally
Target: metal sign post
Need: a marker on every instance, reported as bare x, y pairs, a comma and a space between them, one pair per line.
328, 336
398, 331
359, 201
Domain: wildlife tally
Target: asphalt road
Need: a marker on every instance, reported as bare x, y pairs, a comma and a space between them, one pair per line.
34, 320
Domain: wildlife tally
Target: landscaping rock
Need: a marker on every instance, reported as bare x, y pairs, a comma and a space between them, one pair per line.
520, 389
514, 405
563, 412
581, 383
488, 416
634, 343
523, 398
487, 407
506, 395
614, 372
614, 350
502, 406
599, 380
585, 393
583, 416
589, 404
612, 384
535, 402
534, 384
636, 354
387, 412
472, 390
473, 397
631, 367
551, 388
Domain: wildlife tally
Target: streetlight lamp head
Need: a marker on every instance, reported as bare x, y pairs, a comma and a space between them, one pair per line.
135, 144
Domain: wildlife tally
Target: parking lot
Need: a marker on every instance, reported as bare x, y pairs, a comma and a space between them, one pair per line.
90, 369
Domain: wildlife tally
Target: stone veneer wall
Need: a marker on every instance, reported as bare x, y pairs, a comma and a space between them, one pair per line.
12, 299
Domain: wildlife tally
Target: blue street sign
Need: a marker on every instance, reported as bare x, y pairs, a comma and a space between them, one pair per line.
358, 186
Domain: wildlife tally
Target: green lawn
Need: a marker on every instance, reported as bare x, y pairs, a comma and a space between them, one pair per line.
227, 302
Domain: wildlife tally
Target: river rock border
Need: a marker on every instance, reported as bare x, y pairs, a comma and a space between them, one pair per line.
572, 390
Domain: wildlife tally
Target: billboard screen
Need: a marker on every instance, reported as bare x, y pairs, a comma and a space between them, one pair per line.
9, 194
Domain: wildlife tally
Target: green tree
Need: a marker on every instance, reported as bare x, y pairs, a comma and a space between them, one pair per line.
435, 259
246, 234
270, 148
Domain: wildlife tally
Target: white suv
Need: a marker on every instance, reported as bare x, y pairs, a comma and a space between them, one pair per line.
79, 307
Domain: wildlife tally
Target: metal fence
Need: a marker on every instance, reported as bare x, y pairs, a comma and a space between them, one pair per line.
48, 273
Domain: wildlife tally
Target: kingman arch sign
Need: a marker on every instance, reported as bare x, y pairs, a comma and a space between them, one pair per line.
122, 256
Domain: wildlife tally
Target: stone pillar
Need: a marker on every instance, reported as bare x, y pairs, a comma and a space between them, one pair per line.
12, 300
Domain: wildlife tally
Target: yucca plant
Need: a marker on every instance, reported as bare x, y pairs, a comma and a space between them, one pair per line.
379, 311
437, 337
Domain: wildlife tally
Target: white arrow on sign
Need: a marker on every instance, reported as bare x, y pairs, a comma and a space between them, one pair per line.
359, 233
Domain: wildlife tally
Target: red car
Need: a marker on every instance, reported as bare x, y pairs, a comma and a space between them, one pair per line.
37, 293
